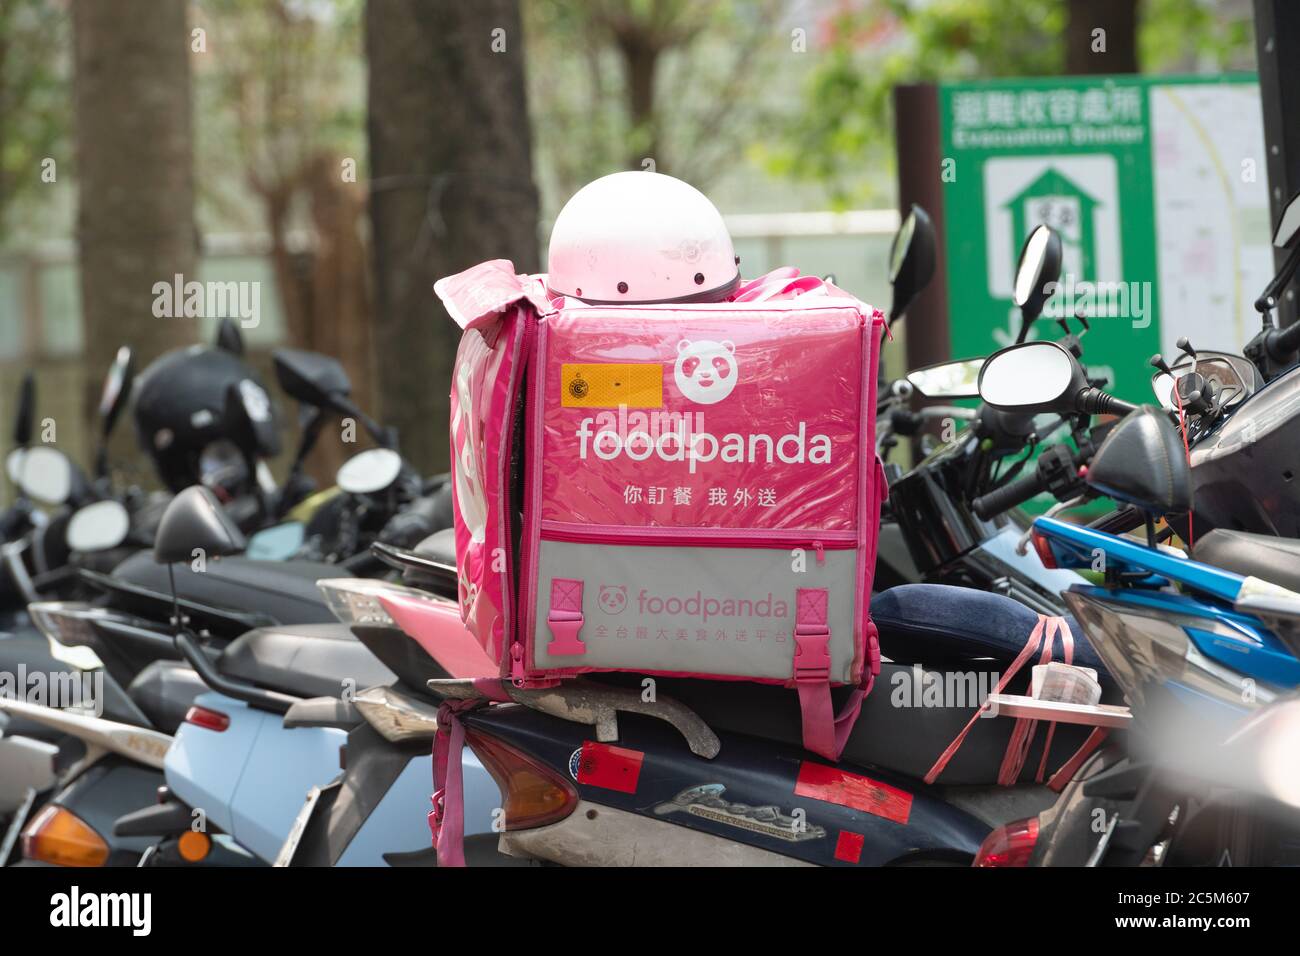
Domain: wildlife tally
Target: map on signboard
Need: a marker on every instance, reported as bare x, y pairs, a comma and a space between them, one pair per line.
1211, 208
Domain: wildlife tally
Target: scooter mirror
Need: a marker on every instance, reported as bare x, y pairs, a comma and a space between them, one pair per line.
310, 377
24, 417
43, 473
1036, 274
369, 471
948, 379
229, 337
1288, 224
117, 390
101, 526
194, 521
1032, 377
911, 260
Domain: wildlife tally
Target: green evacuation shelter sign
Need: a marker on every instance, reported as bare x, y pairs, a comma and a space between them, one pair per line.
1157, 188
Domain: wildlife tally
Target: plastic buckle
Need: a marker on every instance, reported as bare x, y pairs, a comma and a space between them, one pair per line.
812, 656
565, 626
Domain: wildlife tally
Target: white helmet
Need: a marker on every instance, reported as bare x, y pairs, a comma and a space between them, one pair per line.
641, 237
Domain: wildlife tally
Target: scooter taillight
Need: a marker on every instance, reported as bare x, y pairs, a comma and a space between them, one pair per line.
1009, 845
207, 719
533, 794
1044, 549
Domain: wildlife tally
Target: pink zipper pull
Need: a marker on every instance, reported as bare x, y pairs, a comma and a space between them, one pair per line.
516, 662
821, 552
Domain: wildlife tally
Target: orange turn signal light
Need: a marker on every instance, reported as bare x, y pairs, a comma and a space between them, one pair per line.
60, 837
533, 794
193, 846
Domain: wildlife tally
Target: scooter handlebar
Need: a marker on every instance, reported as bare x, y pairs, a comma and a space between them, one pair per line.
1008, 496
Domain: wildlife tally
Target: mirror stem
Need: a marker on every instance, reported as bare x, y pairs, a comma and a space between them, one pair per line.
176, 602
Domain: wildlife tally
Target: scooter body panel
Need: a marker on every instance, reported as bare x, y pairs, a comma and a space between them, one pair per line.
250, 779
760, 792
282, 766
203, 766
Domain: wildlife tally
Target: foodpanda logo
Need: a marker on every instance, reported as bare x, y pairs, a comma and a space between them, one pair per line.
705, 371
612, 598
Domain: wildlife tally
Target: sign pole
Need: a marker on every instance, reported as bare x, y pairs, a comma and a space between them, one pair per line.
1277, 44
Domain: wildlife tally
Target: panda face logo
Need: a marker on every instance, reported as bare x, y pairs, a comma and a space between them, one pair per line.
612, 598
705, 371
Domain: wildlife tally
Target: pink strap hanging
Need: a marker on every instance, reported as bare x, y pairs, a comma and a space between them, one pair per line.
1041, 641
825, 733
447, 818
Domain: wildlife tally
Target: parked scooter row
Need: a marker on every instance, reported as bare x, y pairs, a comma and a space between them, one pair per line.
1203, 642
113, 619
266, 709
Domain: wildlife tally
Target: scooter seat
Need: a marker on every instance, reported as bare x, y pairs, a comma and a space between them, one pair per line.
900, 728
939, 625
439, 546
1276, 560
309, 660
946, 648
284, 590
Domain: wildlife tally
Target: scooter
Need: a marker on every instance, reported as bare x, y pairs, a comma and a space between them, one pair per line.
1195, 662
286, 704
149, 688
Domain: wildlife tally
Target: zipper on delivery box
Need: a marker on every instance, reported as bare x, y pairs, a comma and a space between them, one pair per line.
817, 541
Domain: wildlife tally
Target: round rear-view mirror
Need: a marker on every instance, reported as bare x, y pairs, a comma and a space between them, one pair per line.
98, 527
369, 471
42, 473
1032, 377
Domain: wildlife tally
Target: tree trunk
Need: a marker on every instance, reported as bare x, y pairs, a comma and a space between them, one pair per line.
1115, 50
341, 314
135, 224
451, 186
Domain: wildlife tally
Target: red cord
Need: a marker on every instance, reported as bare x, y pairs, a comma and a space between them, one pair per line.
1182, 428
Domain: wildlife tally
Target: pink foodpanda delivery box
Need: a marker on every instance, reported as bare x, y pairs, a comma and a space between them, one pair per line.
684, 489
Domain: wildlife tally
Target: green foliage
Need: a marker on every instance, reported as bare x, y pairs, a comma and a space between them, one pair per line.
844, 135
35, 97
280, 85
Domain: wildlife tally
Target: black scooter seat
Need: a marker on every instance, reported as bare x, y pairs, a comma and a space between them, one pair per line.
283, 590
1276, 560
439, 546
934, 636
308, 660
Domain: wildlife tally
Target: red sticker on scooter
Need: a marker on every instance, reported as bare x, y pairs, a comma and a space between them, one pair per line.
848, 848
853, 790
614, 768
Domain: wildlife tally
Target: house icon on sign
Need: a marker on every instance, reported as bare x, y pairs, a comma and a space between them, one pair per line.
1055, 199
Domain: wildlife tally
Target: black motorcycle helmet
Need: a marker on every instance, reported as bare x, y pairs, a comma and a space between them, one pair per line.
202, 414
